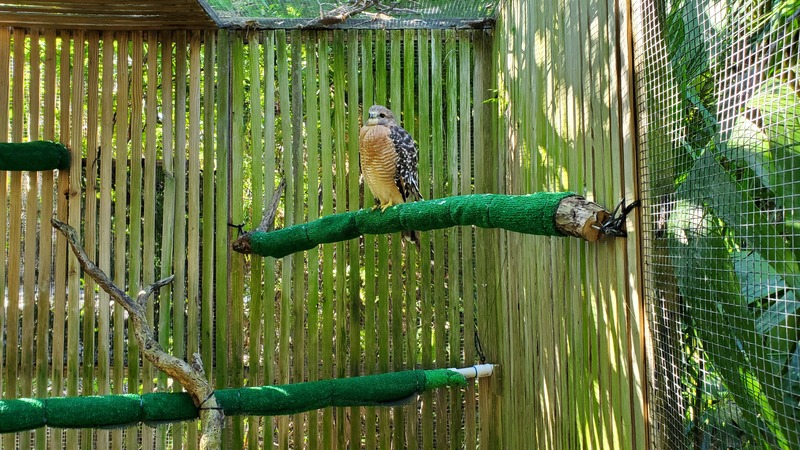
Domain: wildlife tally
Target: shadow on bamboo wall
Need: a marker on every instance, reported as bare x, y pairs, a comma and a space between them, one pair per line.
572, 348
175, 136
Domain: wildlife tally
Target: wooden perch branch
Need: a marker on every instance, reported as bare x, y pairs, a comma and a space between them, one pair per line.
268, 221
242, 244
190, 376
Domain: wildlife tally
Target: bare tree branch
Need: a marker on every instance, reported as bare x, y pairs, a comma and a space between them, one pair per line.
242, 244
268, 221
141, 299
190, 376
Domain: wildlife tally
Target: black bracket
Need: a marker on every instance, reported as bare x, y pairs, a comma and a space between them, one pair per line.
615, 225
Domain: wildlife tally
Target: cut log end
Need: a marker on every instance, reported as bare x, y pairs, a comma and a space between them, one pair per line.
578, 217
242, 245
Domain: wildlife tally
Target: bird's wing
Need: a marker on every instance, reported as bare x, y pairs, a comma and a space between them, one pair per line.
406, 176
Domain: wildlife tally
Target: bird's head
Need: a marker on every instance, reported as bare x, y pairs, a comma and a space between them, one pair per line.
380, 115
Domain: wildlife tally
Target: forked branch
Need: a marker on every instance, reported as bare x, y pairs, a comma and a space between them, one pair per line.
190, 376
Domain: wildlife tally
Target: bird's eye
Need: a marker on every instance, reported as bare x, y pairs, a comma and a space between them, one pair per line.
382, 115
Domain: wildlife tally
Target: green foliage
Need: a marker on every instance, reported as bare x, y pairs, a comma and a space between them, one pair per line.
733, 232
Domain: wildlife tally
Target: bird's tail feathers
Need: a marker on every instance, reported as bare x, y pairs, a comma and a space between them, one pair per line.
411, 236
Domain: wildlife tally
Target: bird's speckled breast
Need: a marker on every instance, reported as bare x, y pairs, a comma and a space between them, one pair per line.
379, 163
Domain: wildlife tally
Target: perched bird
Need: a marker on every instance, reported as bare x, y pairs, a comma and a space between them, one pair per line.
389, 161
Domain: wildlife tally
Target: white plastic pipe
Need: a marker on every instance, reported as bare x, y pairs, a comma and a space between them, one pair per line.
477, 371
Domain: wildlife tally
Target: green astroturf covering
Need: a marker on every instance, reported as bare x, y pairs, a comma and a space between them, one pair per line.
33, 156
530, 214
124, 410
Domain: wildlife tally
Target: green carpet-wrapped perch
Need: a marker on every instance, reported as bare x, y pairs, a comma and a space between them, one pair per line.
112, 411
33, 156
543, 213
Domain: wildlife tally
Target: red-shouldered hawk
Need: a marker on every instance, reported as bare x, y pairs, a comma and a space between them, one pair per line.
389, 161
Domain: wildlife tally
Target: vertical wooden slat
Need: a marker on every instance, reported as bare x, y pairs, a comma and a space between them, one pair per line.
488, 301
438, 178
207, 303
91, 167
550, 298
620, 393
468, 279
221, 253
633, 302
284, 330
509, 273
193, 216
381, 85
603, 321
62, 201
397, 295
30, 214
236, 269
149, 215
326, 158
43, 300
5, 55
354, 258
298, 202
104, 238
120, 220
32, 86
14, 192
426, 271
269, 181
370, 297
256, 263
453, 257
167, 224
583, 345
314, 200
609, 187
340, 149
410, 288
592, 419
73, 280
340, 161
5, 49
575, 399
180, 258
136, 196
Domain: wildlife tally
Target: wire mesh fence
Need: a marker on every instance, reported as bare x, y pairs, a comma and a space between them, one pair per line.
719, 126
384, 14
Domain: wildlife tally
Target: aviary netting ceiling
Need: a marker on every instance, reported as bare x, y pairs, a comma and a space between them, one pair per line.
355, 13
263, 14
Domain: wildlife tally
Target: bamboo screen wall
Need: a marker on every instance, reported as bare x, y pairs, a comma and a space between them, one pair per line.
572, 339
174, 136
